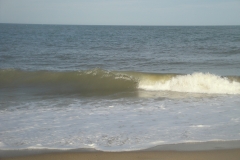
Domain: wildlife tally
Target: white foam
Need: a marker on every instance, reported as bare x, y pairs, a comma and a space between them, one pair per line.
2, 144
118, 124
162, 107
200, 126
195, 83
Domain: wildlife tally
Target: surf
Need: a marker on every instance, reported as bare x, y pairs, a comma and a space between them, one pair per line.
99, 80
195, 83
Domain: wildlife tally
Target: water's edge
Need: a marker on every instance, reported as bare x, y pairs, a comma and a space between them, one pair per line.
184, 147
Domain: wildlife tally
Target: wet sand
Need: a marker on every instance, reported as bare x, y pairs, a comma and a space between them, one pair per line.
188, 151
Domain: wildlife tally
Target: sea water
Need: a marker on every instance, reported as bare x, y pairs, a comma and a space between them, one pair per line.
116, 88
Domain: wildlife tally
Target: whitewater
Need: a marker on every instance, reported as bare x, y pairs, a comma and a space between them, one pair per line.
98, 80
116, 111
195, 83
117, 88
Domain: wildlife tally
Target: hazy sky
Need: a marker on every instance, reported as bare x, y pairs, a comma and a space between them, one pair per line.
121, 12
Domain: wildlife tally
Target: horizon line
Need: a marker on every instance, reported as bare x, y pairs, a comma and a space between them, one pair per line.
122, 25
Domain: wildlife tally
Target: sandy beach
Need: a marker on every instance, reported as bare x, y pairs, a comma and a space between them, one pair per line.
166, 155
198, 151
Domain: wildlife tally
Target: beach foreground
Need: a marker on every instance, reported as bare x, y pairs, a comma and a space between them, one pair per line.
198, 151
153, 155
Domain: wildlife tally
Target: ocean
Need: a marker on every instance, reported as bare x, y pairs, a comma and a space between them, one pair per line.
117, 88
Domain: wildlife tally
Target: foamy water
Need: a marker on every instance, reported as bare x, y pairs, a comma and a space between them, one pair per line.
117, 88
195, 83
116, 124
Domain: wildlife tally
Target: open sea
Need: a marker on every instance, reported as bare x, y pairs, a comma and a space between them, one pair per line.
117, 88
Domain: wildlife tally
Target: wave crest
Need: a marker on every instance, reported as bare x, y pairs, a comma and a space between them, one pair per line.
95, 80
98, 80
195, 83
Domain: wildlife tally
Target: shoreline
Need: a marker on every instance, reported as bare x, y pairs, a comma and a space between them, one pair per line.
197, 150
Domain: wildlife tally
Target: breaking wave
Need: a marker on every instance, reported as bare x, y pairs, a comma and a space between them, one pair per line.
195, 83
98, 80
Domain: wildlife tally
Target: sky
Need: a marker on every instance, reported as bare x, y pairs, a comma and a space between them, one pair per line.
121, 12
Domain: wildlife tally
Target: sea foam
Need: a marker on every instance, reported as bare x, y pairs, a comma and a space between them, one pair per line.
196, 83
